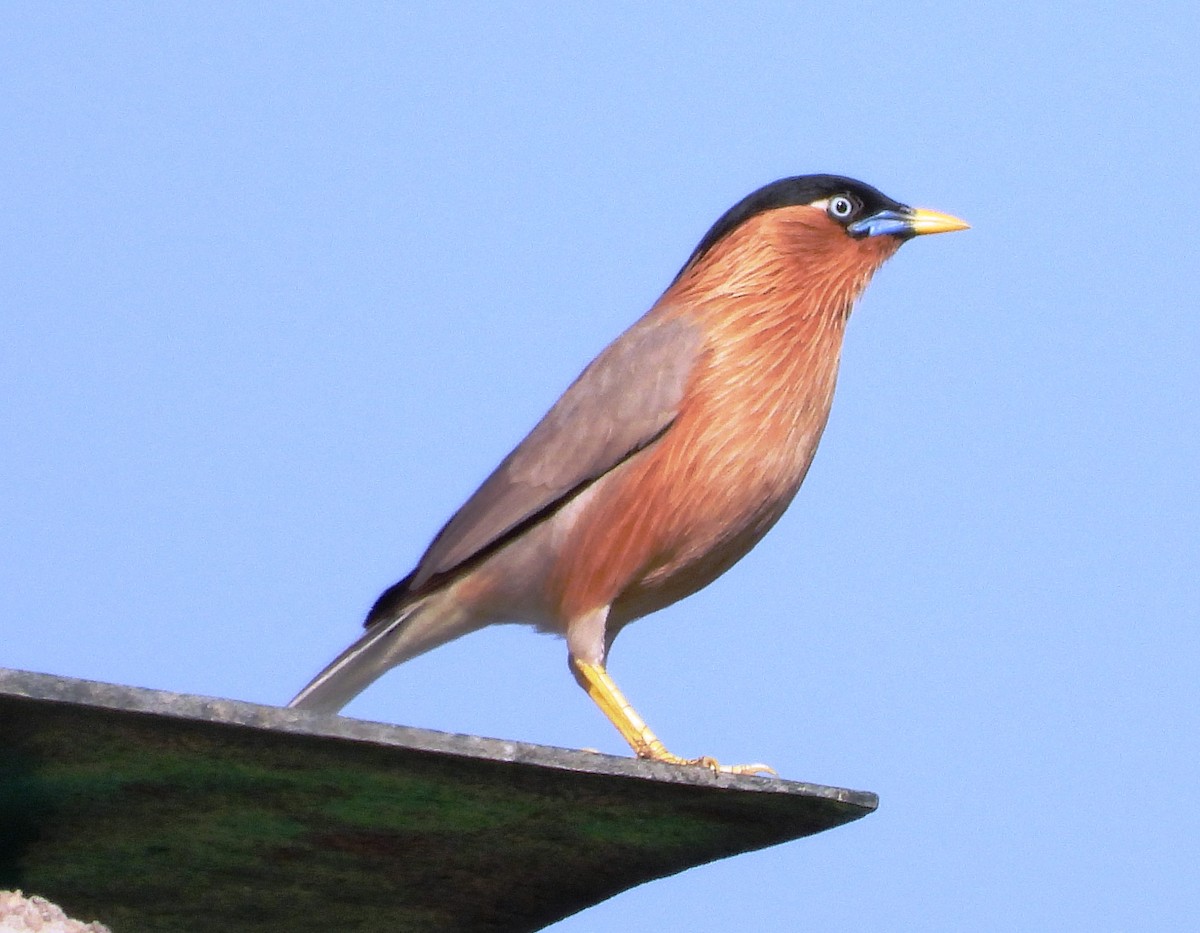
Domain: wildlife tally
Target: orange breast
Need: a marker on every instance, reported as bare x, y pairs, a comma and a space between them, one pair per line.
773, 301
687, 509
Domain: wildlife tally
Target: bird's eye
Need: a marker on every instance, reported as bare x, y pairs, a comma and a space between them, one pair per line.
841, 207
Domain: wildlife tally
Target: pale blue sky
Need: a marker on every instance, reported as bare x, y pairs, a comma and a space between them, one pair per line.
281, 283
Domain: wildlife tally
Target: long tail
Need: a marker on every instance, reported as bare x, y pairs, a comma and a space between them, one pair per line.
420, 627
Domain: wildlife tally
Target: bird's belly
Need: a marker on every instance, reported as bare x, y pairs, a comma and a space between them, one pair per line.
663, 525
730, 504
699, 555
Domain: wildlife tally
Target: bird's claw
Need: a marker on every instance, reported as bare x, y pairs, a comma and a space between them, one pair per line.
645, 744
757, 768
706, 761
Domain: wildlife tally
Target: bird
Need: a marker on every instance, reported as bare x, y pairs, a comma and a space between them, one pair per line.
665, 462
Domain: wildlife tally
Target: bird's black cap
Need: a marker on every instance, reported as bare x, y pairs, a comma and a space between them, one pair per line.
790, 192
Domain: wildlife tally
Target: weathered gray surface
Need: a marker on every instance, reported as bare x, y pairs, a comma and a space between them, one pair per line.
156, 811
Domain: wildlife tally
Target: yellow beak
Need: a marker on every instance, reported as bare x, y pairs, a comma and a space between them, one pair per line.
921, 221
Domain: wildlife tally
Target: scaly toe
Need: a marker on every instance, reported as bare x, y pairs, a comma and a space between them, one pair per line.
707, 761
749, 769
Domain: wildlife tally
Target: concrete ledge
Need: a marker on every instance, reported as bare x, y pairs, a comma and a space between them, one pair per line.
157, 811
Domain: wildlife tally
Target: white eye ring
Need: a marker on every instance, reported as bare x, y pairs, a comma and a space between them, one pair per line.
840, 207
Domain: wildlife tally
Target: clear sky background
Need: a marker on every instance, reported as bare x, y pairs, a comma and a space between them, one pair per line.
280, 284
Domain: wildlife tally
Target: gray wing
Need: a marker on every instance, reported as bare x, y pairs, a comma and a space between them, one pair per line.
622, 402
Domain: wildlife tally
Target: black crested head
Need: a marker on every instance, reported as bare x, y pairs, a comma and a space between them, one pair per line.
790, 192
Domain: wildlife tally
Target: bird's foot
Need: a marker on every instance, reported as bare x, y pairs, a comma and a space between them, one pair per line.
757, 768
645, 744
704, 761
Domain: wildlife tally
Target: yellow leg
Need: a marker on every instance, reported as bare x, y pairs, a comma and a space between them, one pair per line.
605, 693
